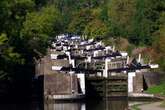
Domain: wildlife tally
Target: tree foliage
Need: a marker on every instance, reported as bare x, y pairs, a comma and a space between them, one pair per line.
39, 27
12, 16
159, 44
79, 21
8, 58
96, 29
121, 14
24, 34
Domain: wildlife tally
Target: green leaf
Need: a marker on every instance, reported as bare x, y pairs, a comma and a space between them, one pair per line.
3, 39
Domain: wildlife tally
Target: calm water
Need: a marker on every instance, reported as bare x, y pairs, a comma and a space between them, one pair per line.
92, 105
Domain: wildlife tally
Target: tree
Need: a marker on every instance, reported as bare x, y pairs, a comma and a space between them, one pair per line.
79, 21
141, 23
121, 13
96, 29
13, 14
39, 27
26, 38
159, 42
8, 58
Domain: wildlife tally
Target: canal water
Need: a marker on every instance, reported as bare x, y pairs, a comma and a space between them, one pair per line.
90, 105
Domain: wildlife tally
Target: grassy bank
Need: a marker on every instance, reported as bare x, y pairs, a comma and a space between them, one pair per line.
158, 89
163, 104
135, 107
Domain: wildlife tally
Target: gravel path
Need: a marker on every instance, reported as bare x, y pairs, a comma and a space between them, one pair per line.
151, 106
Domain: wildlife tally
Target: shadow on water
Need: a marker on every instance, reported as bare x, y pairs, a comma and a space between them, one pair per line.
110, 104
27, 106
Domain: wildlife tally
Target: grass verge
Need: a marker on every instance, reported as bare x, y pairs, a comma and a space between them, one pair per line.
135, 107
159, 89
162, 104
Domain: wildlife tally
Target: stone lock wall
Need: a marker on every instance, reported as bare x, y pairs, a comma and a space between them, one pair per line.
153, 78
60, 83
138, 83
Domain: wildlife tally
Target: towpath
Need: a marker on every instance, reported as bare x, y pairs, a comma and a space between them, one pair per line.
151, 106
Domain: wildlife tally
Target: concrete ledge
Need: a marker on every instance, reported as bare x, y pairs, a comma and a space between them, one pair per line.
142, 97
66, 97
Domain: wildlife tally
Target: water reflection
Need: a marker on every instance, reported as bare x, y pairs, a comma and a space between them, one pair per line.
65, 106
91, 105
107, 105
117, 104
28, 106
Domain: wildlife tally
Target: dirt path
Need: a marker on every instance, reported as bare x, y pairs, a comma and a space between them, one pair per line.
151, 106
